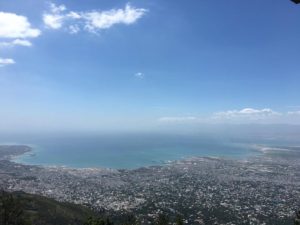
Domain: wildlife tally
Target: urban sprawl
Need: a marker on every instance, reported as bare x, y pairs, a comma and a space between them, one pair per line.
260, 190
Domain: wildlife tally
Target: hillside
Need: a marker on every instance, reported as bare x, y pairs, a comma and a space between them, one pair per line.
34, 209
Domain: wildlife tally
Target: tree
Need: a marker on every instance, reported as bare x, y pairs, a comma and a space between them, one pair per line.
297, 219
130, 220
162, 220
108, 222
98, 221
11, 211
179, 220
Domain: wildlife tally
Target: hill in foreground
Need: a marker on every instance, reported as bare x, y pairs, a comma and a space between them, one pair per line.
22, 208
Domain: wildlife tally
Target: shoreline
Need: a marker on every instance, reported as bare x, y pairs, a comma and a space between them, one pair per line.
17, 158
256, 149
10, 152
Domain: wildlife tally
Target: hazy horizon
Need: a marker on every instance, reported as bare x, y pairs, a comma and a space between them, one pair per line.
139, 65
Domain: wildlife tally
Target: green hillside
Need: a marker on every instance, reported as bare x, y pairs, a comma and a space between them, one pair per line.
21, 208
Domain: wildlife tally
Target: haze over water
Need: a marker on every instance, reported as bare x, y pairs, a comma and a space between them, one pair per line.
130, 150
122, 151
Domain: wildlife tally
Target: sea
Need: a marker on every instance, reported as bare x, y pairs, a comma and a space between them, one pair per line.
125, 151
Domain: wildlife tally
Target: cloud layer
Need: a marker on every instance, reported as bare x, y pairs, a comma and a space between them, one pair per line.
243, 116
92, 21
247, 114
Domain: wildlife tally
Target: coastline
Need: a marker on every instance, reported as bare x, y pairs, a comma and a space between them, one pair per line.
31, 151
136, 162
257, 150
11, 152
197, 184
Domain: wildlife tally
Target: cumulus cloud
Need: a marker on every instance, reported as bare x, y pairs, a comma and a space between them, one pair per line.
16, 26
58, 17
5, 62
15, 30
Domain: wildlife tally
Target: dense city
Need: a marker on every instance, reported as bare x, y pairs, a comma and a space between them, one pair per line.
260, 190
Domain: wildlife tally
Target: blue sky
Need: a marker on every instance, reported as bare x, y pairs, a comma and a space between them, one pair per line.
97, 64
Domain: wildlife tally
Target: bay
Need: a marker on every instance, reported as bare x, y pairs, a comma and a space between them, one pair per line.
122, 151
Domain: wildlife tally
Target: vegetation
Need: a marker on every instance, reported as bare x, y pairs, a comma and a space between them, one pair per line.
162, 220
179, 220
11, 211
297, 219
98, 221
19, 208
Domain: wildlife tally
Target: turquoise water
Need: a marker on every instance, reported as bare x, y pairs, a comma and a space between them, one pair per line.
123, 151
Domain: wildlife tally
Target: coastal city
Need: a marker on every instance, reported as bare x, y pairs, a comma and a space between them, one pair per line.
263, 189
149, 112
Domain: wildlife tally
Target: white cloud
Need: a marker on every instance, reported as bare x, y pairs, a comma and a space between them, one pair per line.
92, 21
5, 62
56, 17
20, 42
53, 21
16, 26
105, 19
243, 116
15, 30
246, 114
57, 9
139, 75
74, 15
